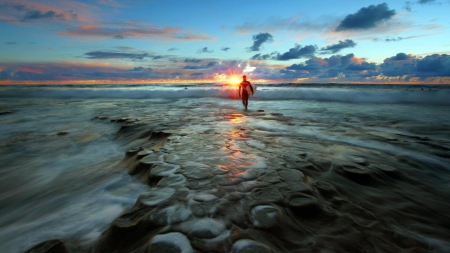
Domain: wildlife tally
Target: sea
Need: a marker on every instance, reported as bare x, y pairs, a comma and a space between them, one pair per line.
61, 170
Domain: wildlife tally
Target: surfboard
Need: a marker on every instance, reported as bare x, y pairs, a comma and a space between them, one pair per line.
249, 90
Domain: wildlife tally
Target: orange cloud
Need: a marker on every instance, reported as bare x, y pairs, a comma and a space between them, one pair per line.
28, 70
357, 60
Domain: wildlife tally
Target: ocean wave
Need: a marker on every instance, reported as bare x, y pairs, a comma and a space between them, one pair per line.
377, 96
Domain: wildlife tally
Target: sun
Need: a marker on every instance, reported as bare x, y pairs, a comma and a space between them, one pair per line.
234, 80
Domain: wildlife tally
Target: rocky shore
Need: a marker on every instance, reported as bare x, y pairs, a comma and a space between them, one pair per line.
221, 183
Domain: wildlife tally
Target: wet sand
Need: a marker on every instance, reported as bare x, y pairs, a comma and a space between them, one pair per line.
228, 180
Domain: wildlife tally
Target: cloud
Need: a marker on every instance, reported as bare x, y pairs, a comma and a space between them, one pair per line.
204, 50
259, 39
209, 65
118, 36
408, 4
293, 23
192, 60
434, 65
172, 49
136, 30
50, 15
225, 49
339, 46
400, 57
115, 55
297, 52
261, 57
198, 74
10, 43
388, 39
366, 18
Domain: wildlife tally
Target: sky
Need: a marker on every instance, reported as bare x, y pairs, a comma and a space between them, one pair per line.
196, 41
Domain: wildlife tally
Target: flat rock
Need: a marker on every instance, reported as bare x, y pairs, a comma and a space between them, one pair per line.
265, 216
249, 246
174, 242
304, 205
291, 175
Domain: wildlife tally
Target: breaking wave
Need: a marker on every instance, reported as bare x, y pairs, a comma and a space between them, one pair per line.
398, 95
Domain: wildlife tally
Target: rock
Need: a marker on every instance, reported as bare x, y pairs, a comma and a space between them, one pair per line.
133, 151
304, 206
291, 175
357, 159
203, 228
268, 194
174, 242
326, 189
358, 174
264, 216
249, 246
51, 246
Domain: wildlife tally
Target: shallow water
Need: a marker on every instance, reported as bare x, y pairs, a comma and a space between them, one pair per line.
73, 185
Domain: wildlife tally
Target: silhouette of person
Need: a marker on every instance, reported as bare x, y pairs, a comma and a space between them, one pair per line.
243, 85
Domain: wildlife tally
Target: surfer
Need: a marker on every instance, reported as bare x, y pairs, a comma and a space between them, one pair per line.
243, 85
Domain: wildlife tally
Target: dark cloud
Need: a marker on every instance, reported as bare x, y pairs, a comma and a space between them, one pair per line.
332, 67
361, 66
11, 43
426, 1
118, 36
172, 49
297, 52
261, 57
259, 39
400, 57
157, 57
209, 65
434, 65
198, 74
213, 63
192, 60
141, 69
225, 49
334, 48
409, 4
204, 50
366, 18
115, 55
35, 14
137, 69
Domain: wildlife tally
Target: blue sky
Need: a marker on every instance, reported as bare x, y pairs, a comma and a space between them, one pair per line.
112, 41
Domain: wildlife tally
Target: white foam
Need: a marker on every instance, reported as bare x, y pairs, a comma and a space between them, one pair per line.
156, 196
244, 243
256, 144
174, 238
203, 197
176, 213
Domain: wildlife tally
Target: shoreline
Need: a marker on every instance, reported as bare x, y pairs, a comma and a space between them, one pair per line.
221, 183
